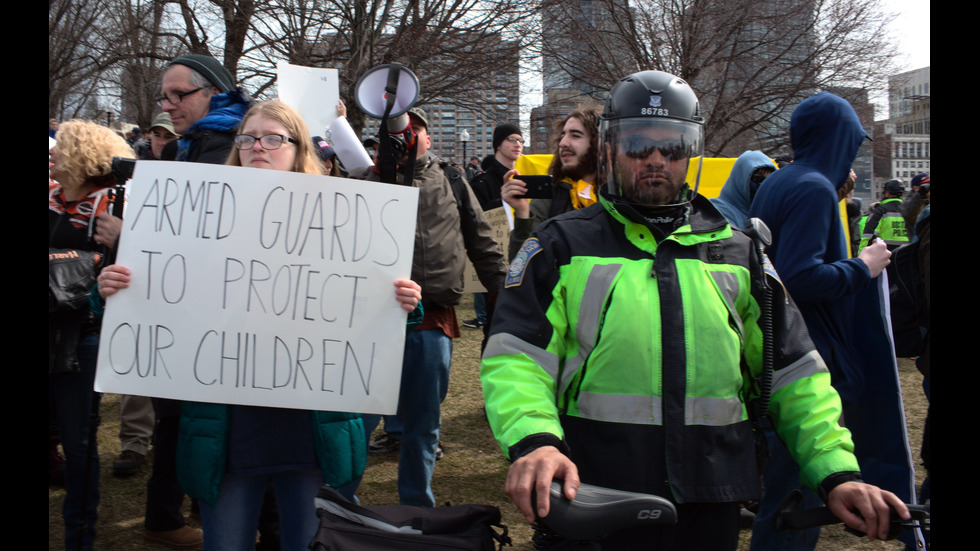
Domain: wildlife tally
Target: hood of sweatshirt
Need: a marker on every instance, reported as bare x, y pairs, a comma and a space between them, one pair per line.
826, 134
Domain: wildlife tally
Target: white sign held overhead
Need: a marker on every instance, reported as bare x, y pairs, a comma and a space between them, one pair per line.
312, 91
315, 93
259, 287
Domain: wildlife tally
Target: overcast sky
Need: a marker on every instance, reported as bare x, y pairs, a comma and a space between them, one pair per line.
911, 30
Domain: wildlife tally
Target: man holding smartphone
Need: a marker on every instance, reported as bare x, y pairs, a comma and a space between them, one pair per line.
573, 168
508, 145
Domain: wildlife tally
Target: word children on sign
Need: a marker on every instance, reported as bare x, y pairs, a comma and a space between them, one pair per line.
259, 287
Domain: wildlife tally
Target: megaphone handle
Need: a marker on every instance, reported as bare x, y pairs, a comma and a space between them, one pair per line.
391, 89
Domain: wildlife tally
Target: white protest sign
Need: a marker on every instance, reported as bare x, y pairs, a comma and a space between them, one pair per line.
501, 233
315, 92
312, 91
259, 287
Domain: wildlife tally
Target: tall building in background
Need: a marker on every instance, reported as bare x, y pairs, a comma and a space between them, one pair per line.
569, 64
902, 147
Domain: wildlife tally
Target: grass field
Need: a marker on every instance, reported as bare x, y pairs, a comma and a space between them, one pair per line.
472, 470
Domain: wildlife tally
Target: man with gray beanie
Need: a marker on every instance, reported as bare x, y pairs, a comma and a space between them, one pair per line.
204, 105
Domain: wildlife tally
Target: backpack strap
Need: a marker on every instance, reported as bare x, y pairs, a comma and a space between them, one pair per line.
331, 501
467, 216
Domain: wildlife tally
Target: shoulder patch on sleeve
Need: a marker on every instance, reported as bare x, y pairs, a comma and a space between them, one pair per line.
769, 268
518, 266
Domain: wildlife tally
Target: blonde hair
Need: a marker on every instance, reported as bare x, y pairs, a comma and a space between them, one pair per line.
87, 149
306, 161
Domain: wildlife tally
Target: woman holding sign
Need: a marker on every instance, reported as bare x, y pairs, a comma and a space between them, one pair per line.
228, 454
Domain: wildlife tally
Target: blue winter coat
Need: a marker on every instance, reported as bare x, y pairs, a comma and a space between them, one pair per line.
734, 200
842, 306
209, 140
799, 203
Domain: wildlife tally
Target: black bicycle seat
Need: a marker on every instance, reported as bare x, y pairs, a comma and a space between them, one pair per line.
596, 511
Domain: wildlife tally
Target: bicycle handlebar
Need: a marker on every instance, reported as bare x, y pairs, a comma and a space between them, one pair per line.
788, 518
597, 511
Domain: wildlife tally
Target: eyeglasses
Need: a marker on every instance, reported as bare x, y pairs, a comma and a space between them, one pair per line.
174, 99
513, 139
269, 141
641, 147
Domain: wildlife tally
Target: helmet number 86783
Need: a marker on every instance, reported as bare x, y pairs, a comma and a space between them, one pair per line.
658, 111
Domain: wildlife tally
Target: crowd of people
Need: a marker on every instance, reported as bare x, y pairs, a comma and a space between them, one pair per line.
625, 332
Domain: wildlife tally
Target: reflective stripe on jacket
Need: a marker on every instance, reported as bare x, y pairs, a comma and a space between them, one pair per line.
887, 219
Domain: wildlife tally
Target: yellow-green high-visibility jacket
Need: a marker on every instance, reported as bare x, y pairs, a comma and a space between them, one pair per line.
888, 220
638, 358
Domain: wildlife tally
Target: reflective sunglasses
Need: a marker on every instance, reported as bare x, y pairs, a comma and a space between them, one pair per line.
641, 147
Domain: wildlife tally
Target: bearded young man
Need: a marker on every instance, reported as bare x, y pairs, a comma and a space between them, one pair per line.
573, 167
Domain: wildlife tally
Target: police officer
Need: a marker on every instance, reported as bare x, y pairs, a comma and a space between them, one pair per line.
887, 218
627, 338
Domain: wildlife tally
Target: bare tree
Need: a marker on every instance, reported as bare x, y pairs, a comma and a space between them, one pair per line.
750, 61
76, 57
451, 45
107, 55
101, 46
140, 47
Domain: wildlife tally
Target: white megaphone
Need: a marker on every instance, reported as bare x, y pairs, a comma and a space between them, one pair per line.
388, 84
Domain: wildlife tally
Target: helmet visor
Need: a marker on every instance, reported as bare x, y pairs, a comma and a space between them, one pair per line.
645, 159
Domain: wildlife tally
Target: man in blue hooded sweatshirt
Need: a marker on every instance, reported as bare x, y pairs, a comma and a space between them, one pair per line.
799, 203
748, 172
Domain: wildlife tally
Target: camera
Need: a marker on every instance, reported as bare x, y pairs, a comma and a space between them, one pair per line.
924, 190
122, 169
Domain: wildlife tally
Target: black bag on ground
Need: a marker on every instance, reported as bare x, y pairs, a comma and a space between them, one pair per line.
345, 526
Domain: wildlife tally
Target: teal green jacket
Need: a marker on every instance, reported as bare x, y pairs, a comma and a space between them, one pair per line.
202, 449
639, 358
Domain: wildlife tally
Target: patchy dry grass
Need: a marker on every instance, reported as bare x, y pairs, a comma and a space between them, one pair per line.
472, 470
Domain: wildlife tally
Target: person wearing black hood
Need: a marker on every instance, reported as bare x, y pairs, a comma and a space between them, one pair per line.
914, 202
508, 145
